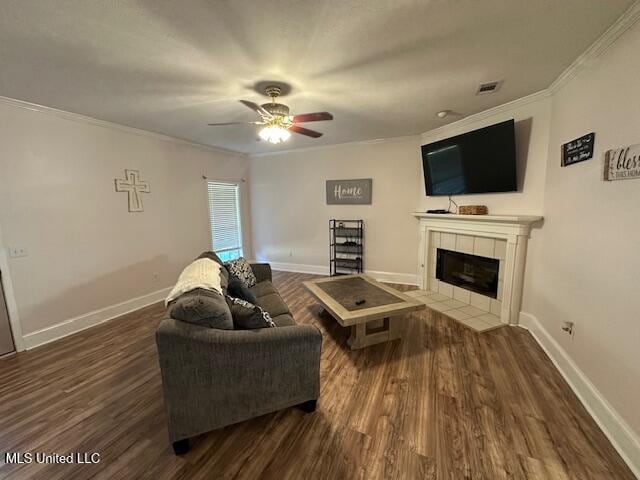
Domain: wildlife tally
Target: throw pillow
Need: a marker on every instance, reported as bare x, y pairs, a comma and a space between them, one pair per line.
202, 307
247, 316
238, 289
241, 269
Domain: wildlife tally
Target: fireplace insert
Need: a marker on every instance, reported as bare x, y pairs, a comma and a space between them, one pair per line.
471, 272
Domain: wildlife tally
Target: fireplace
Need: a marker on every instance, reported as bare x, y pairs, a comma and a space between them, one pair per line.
503, 238
471, 272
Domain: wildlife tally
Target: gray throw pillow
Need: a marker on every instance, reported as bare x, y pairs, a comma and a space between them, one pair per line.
242, 269
202, 307
247, 316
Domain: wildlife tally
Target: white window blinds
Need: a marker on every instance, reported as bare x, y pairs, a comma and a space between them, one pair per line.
224, 214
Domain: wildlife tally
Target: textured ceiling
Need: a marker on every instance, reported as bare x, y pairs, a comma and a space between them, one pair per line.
383, 68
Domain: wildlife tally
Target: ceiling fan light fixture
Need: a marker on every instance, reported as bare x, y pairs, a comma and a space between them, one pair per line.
278, 123
274, 134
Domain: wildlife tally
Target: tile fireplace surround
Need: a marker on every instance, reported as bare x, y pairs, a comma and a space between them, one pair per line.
502, 237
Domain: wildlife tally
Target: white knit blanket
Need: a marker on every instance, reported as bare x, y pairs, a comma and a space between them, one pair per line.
202, 273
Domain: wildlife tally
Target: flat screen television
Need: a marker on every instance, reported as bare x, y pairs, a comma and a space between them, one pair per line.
481, 161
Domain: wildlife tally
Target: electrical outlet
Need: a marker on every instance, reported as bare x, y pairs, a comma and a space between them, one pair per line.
291, 253
17, 252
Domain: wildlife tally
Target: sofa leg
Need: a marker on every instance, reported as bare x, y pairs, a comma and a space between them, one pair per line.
309, 406
181, 446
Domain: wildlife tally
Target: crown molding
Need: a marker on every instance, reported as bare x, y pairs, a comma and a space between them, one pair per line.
599, 47
476, 117
76, 117
404, 138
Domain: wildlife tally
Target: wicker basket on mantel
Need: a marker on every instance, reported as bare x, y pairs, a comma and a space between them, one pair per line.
473, 210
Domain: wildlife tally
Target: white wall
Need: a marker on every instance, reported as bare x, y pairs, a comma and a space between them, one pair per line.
291, 217
588, 269
85, 250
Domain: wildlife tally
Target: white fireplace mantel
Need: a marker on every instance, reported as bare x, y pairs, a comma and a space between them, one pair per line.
519, 223
514, 229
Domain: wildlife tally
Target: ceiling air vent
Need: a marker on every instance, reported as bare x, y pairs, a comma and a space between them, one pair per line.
488, 88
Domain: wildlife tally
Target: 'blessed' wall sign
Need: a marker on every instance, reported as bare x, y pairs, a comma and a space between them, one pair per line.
622, 163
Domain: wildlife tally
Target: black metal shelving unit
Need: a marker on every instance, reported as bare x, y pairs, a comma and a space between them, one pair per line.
346, 242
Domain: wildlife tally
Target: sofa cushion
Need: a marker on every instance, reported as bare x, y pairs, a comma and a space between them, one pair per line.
238, 289
263, 288
202, 307
242, 269
273, 304
262, 271
247, 316
284, 320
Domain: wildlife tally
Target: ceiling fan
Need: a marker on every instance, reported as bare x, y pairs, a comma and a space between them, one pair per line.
278, 123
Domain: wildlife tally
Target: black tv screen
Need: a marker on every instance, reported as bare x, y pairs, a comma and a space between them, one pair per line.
481, 161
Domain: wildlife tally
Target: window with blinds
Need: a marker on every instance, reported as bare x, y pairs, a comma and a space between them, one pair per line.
224, 215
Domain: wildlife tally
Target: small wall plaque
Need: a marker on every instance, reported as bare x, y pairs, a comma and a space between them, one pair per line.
622, 163
349, 192
578, 150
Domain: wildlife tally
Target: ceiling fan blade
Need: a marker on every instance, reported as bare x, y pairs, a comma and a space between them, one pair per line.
305, 131
234, 123
312, 117
256, 108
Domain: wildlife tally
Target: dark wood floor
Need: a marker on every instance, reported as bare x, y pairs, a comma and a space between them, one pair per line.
443, 403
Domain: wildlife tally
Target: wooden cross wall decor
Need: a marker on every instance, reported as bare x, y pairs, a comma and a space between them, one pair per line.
134, 187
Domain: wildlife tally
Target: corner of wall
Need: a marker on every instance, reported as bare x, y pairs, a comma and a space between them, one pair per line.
621, 436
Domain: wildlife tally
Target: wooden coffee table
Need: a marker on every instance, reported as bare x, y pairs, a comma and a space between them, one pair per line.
374, 321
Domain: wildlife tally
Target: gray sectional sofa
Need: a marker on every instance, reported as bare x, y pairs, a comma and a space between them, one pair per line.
212, 378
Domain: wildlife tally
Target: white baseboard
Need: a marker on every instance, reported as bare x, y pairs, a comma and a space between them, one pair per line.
391, 277
298, 268
82, 322
621, 436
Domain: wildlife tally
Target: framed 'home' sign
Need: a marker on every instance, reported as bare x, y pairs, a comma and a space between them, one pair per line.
622, 163
349, 192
